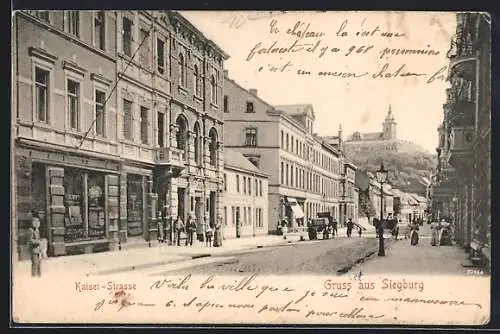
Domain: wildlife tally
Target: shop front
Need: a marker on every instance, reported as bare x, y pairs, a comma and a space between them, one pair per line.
76, 199
139, 206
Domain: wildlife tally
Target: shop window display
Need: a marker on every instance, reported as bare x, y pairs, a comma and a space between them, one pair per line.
84, 210
96, 215
73, 202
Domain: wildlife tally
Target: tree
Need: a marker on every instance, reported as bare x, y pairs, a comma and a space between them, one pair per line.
397, 206
366, 205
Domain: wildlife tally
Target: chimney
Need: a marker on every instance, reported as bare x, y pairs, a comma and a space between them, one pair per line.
226, 73
253, 91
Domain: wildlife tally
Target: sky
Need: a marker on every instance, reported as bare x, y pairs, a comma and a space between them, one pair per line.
337, 65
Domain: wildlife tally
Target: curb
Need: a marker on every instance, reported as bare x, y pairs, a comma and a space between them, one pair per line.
135, 267
190, 257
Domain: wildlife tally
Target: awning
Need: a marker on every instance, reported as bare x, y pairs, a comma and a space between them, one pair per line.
295, 206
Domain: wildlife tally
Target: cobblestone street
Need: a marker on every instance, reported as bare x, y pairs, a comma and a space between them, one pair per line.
305, 258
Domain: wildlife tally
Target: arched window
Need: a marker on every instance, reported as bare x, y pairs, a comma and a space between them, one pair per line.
213, 146
196, 81
213, 88
182, 70
197, 144
182, 128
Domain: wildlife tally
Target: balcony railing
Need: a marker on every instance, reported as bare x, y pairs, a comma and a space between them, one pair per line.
461, 111
461, 145
462, 53
169, 156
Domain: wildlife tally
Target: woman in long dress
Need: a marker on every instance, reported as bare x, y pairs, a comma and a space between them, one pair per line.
435, 234
414, 235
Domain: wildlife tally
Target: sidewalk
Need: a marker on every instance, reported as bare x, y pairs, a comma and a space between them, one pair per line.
136, 258
422, 259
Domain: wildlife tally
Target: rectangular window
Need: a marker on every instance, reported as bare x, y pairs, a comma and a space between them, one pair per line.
237, 183
42, 94
251, 137
226, 109
282, 173
233, 215
42, 15
100, 113
99, 30
256, 187
144, 125
225, 216
160, 133
73, 91
160, 54
127, 36
244, 184
260, 187
249, 186
73, 21
250, 108
282, 140
249, 215
127, 120
144, 51
225, 182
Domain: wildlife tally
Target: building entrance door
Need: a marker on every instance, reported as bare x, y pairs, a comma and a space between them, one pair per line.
135, 209
198, 211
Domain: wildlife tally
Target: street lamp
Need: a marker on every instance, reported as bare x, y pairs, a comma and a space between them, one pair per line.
381, 178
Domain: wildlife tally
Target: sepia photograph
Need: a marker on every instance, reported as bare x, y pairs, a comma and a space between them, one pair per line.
250, 167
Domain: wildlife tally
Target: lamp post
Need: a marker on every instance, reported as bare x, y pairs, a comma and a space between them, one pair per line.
381, 178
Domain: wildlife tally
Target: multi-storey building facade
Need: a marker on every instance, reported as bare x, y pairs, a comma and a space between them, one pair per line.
67, 152
349, 202
245, 197
461, 186
116, 114
304, 170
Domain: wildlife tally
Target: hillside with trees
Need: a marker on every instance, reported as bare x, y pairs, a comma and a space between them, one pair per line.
408, 171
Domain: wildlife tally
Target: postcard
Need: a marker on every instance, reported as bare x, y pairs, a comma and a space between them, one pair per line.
251, 167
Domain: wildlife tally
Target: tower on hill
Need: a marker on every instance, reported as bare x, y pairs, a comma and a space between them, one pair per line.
389, 126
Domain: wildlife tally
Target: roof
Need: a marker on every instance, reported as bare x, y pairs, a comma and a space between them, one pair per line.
297, 109
365, 136
235, 159
372, 135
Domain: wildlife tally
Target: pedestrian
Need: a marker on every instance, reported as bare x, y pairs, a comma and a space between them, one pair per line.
326, 231
396, 232
408, 231
208, 236
34, 244
284, 229
434, 234
360, 231
335, 227
160, 226
179, 229
350, 226
414, 234
218, 232
168, 228
190, 230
